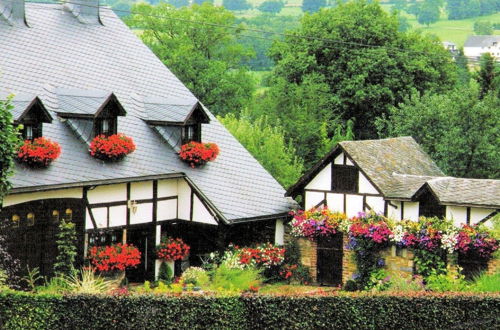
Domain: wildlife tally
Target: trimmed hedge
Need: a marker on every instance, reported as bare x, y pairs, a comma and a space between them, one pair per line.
355, 311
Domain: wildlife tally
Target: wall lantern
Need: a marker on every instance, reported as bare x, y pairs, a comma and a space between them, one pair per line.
68, 214
30, 219
55, 216
15, 220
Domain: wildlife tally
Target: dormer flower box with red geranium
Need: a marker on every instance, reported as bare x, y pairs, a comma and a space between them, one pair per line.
111, 148
39, 152
197, 153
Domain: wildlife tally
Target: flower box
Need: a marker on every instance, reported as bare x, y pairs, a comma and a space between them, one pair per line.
172, 249
116, 257
197, 154
39, 153
112, 148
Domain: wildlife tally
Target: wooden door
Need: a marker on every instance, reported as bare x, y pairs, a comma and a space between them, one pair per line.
329, 260
144, 241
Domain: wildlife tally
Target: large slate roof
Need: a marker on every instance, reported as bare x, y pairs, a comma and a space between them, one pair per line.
381, 159
58, 52
481, 41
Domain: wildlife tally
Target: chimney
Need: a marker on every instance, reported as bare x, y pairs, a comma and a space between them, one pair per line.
86, 11
13, 12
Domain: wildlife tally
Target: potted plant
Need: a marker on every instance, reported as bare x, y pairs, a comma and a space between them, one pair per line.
111, 148
172, 249
113, 260
39, 153
198, 154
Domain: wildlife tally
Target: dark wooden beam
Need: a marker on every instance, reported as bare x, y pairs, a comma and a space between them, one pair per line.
87, 205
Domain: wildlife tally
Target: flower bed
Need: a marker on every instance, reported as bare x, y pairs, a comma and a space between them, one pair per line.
197, 154
317, 222
114, 257
172, 249
39, 153
112, 148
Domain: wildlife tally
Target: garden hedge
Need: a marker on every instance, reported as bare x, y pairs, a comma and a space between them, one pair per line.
355, 311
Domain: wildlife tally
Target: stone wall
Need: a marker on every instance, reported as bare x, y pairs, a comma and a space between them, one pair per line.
493, 266
309, 256
398, 262
348, 263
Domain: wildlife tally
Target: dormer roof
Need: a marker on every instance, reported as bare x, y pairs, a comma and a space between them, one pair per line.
29, 107
173, 111
87, 104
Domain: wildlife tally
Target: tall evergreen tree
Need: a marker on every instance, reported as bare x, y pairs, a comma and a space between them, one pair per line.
463, 73
66, 248
487, 74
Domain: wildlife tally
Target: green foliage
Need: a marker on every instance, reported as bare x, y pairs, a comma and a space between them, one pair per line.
179, 3
353, 311
266, 142
165, 273
379, 280
8, 264
56, 286
196, 276
370, 67
32, 278
199, 2
428, 13
236, 4
229, 279
86, 281
457, 129
206, 58
402, 284
313, 6
340, 133
450, 280
486, 283
489, 75
9, 142
271, 6
483, 28
460, 9
428, 263
462, 65
66, 249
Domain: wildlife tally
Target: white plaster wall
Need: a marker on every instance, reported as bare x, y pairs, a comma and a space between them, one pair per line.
108, 193
456, 213
339, 160
143, 214
100, 216
167, 210
26, 197
313, 198
410, 211
200, 213
118, 216
376, 203
354, 204
184, 199
392, 212
279, 233
88, 221
167, 188
323, 180
365, 187
348, 161
335, 202
478, 51
477, 214
141, 190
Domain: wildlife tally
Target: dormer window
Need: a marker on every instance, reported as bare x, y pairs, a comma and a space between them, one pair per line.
30, 112
32, 131
191, 133
105, 126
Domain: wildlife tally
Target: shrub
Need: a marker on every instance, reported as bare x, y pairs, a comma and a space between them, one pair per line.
87, 282
66, 249
451, 280
400, 283
196, 276
165, 273
113, 147
39, 153
8, 264
197, 154
486, 283
233, 279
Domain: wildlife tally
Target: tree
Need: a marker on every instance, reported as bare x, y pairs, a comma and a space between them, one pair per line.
66, 249
488, 72
483, 28
457, 129
360, 65
460, 9
236, 4
313, 6
199, 2
179, 3
271, 6
462, 64
205, 57
9, 142
428, 13
267, 144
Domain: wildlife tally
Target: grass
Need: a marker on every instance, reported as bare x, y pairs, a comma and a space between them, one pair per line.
487, 283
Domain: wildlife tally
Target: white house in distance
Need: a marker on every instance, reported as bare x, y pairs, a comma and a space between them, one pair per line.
475, 46
394, 177
77, 71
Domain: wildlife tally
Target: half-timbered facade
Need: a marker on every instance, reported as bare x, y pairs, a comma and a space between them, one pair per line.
394, 177
76, 71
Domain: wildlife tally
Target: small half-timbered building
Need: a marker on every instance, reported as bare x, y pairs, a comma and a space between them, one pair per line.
76, 71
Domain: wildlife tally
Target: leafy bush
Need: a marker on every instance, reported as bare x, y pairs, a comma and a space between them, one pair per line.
399, 284
451, 280
165, 273
234, 279
196, 276
486, 283
86, 281
66, 249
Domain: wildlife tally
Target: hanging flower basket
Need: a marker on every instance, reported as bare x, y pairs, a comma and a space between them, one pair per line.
197, 154
39, 152
112, 148
172, 249
116, 257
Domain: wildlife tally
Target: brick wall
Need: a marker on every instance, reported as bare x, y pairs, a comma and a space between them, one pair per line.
493, 266
348, 263
398, 262
309, 256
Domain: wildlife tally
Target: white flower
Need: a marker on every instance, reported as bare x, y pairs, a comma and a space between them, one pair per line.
449, 241
398, 234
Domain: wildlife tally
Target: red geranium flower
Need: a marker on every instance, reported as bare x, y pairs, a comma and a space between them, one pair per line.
113, 147
172, 249
39, 152
114, 257
197, 154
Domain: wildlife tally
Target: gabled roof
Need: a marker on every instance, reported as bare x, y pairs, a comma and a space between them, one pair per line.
58, 51
173, 111
80, 103
481, 41
464, 192
29, 105
379, 160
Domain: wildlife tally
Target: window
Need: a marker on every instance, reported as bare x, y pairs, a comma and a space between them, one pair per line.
190, 133
15, 220
32, 131
55, 216
30, 219
105, 126
344, 178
